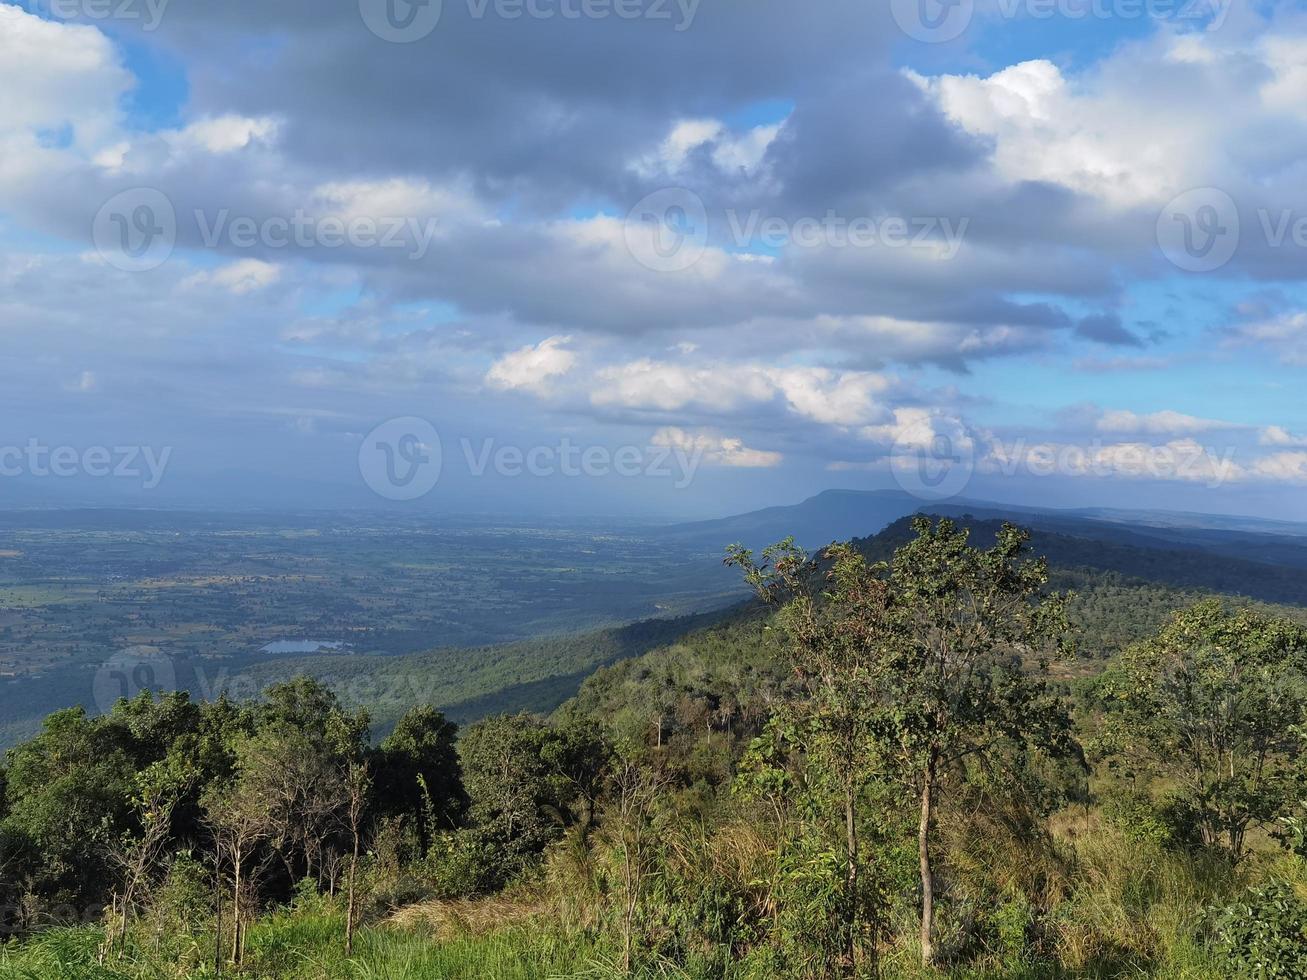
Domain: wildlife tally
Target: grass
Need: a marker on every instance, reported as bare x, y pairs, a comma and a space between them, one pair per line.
1112, 907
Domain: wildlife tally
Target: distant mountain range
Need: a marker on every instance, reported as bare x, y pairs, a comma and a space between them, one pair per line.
839, 515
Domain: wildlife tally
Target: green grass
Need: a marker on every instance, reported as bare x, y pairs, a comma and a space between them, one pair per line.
297, 946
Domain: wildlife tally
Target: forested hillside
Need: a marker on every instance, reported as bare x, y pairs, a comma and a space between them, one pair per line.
916, 756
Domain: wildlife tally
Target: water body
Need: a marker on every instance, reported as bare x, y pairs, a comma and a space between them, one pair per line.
302, 646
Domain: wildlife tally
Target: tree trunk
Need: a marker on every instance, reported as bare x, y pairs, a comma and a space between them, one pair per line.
927, 875
236, 911
217, 903
349, 904
851, 879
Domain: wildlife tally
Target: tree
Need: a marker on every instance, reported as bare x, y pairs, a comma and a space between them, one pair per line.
418, 777
937, 657
637, 785
967, 640
297, 763
69, 795
360, 785
526, 781
839, 758
1218, 700
237, 813
159, 788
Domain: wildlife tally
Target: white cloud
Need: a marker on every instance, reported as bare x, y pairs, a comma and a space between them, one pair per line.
731, 153
916, 428
63, 86
532, 368
1164, 423
418, 200
1179, 460
716, 449
1287, 467
1285, 335
822, 395
238, 278
224, 134
1138, 127
1274, 435
840, 398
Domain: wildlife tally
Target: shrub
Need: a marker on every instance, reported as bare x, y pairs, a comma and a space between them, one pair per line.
1264, 934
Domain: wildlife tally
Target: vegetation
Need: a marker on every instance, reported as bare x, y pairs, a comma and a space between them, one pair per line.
891, 766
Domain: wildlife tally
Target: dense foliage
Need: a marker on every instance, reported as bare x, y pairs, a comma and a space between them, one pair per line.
889, 767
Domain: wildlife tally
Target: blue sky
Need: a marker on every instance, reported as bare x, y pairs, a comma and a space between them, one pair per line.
1052, 249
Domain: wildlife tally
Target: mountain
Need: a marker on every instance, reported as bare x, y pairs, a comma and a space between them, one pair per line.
839, 515
835, 515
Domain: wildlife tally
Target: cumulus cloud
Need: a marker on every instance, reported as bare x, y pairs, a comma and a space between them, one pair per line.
238, 278
1056, 171
715, 449
1285, 335
1164, 423
532, 368
1275, 435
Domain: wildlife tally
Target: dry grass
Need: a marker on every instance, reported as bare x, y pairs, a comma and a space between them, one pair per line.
457, 918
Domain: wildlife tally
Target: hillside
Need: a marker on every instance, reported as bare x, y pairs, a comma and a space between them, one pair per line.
709, 802
839, 515
1124, 592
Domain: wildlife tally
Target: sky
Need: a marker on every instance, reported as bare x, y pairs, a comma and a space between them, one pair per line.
653, 258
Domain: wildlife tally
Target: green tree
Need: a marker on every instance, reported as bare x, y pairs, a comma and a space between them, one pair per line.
928, 661
418, 777
823, 751
1218, 701
69, 793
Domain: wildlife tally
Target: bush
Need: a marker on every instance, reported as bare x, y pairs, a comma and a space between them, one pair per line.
1264, 934
1168, 823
